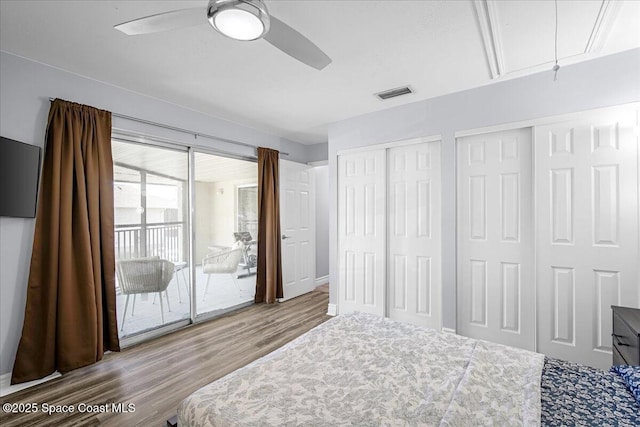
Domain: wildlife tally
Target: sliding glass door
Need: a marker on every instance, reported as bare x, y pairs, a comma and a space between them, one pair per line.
151, 225
225, 225
155, 257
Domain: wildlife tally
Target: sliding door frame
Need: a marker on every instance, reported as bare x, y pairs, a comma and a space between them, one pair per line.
203, 317
129, 137
120, 135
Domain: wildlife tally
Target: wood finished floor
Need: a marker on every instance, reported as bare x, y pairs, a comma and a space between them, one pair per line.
157, 375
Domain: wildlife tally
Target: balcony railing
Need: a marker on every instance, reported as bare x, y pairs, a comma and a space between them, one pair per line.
165, 240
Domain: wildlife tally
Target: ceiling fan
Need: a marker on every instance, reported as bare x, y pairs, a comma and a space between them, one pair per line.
244, 20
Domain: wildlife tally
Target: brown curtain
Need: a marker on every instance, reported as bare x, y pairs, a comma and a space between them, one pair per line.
269, 275
70, 316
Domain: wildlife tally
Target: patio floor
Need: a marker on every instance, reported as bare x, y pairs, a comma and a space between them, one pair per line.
222, 294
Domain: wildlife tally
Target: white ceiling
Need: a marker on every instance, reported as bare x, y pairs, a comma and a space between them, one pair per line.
436, 47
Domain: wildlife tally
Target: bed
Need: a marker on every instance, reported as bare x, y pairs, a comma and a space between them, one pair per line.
360, 369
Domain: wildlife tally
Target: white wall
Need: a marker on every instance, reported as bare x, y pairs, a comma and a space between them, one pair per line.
215, 214
202, 218
224, 219
25, 88
606, 81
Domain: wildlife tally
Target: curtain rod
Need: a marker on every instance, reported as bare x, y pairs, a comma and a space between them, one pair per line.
177, 129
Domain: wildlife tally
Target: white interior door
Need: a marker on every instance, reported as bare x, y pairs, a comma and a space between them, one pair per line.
362, 231
414, 241
297, 224
496, 288
587, 226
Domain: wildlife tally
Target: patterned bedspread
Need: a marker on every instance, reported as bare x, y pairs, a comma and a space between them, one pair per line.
364, 370
577, 395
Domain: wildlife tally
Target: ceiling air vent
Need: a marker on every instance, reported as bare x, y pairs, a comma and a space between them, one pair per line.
392, 93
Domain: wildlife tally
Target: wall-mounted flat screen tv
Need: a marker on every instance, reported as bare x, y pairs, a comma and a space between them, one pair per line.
19, 174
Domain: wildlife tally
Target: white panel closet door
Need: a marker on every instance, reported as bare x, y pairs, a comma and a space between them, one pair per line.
496, 290
362, 231
414, 241
587, 226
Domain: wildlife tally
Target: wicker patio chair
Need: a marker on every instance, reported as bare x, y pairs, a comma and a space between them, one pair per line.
144, 276
223, 262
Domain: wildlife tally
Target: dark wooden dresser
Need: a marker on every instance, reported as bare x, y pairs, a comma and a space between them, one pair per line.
626, 336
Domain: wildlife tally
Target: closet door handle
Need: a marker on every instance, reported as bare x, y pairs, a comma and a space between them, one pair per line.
285, 237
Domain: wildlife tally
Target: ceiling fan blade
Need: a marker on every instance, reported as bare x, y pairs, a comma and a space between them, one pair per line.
295, 44
164, 21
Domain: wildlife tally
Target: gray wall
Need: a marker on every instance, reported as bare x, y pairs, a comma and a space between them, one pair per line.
322, 220
25, 88
318, 152
606, 81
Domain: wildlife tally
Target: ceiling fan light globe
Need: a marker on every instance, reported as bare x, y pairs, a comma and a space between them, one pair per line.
238, 24
239, 19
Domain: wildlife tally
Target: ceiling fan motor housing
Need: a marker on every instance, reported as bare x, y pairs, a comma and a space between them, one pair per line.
257, 8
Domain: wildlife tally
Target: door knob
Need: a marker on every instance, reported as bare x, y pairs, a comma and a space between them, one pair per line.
285, 237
